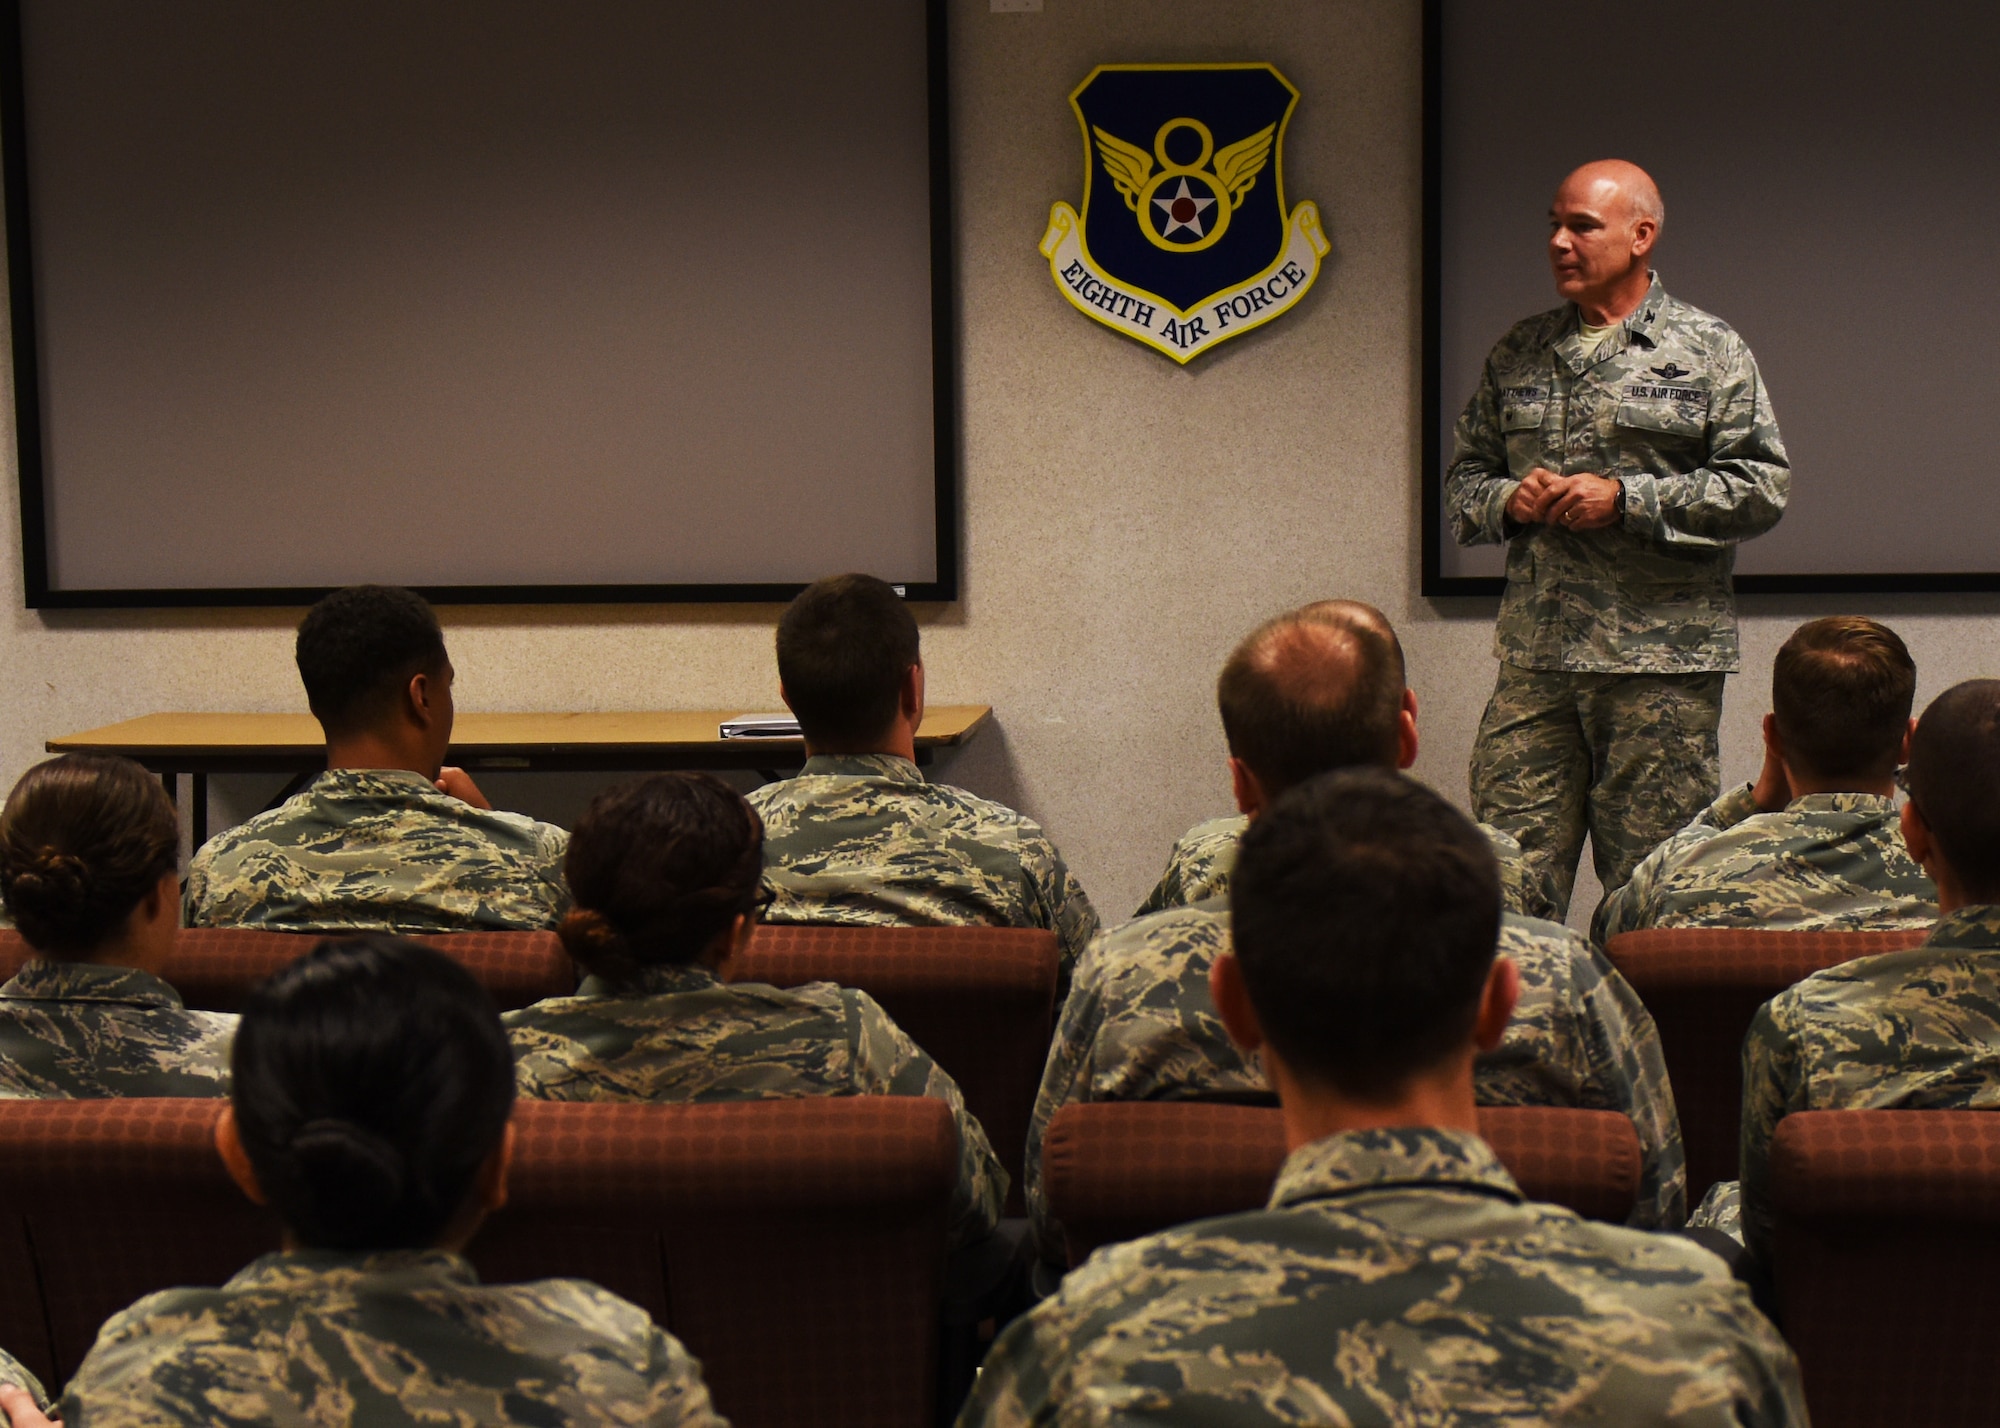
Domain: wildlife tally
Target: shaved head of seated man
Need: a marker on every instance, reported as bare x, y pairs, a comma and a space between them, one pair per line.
1323, 687
1397, 1262
860, 836
1139, 1024
1814, 845
387, 839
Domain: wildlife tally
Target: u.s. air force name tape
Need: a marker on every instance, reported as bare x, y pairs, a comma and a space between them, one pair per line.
1183, 335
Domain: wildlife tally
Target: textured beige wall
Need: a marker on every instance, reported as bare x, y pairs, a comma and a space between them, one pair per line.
1125, 520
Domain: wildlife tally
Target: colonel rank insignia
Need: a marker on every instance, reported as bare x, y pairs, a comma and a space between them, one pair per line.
1184, 240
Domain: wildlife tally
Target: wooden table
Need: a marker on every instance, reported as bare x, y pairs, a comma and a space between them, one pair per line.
202, 744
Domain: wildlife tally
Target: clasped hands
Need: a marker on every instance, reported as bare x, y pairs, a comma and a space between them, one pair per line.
1582, 502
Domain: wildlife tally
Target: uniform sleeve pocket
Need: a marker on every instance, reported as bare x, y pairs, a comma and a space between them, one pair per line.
1667, 418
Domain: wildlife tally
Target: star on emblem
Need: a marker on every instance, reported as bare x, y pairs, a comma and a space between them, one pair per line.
1182, 210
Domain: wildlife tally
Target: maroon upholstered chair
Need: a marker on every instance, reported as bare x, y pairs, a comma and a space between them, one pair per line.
1117, 1170
1703, 986
214, 968
1885, 1255
796, 1247
980, 1000
102, 1202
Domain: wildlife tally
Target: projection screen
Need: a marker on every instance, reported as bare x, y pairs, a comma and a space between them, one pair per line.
1831, 170
518, 300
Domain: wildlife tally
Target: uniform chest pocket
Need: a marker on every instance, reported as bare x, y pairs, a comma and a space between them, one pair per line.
1521, 408
1680, 419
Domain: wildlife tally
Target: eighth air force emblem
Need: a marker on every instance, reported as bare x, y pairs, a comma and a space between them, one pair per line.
1184, 241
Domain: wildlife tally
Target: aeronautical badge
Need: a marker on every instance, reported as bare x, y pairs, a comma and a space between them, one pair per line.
1184, 241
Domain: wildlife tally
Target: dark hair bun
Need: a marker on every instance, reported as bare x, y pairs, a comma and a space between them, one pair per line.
82, 839
350, 1168
48, 881
593, 943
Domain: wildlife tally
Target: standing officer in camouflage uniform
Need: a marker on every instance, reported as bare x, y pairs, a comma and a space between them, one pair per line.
1198, 867
860, 836
1814, 844
370, 1110
1306, 692
1621, 445
1397, 1274
1917, 1030
386, 840
89, 848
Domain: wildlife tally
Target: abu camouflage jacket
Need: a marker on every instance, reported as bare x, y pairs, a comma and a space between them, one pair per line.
1826, 862
1397, 1276
1139, 1025
1672, 405
80, 1031
380, 850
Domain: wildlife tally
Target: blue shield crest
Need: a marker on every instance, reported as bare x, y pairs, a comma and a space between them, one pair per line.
1184, 239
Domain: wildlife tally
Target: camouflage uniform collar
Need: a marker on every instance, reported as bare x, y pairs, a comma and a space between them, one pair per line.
1872, 803
1973, 927
654, 982
44, 980
893, 767
1409, 1156
1638, 325
344, 1269
377, 783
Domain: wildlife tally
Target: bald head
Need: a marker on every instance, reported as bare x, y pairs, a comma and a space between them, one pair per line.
1602, 226
1617, 188
1314, 689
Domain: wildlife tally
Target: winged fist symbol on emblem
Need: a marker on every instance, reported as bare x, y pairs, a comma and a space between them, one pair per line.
1203, 216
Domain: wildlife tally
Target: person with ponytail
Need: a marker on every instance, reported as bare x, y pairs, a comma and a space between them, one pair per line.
666, 874
371, 1111
88, 853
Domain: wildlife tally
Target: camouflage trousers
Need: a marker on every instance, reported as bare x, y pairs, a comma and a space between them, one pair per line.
1626, 758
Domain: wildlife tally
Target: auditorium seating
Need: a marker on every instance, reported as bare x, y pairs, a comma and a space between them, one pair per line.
795, 1247
1703, 986
980, 1000
214, 968
1116, 1170
1886, 1251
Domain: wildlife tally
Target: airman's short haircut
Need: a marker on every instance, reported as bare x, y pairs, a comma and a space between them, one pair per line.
1841, 689
1365, 912
1313, 689
844, 647
1954, 780
359, 648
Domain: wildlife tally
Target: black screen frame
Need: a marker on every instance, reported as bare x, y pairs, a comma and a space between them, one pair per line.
40, 594
1434, 582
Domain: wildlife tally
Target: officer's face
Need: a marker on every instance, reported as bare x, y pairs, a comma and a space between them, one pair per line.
1594, 238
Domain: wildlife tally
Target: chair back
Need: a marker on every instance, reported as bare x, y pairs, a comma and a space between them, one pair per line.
1117, 1170
980, 1000
1703, 986
102, 1202
214, 968
796, 1247
1886, 1249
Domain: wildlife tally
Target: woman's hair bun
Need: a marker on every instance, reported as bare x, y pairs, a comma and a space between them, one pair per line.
350, 1167
48, 879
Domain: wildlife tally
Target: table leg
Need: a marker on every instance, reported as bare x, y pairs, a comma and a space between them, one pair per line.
198, 811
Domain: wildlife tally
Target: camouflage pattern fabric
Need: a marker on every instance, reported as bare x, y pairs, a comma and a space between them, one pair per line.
1200, 864
1628, 759
11, 1372
1396, 1277
1826, 862
76, 1031
1913, 1030
316, 1337
380, 850
864, 839
684, 1036
1720, 1209
1139, 1026
1670, 404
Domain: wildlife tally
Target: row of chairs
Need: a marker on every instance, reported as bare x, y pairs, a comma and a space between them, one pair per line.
796, 1247
982, 999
